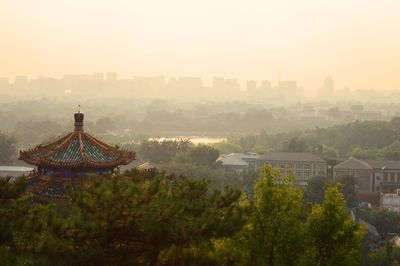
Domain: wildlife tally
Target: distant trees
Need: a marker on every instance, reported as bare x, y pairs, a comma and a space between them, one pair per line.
104, 125
162, 151
8, 151
364, 140
35, 132
294, 145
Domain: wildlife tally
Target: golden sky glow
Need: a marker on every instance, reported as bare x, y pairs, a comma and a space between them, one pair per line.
356, 42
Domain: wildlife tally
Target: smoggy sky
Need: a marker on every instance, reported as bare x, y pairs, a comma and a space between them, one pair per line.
357, 42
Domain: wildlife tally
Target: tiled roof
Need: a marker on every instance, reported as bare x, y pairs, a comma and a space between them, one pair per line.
237, 159
291, 156
233, 161
353, 163
78, 149
378, 164
147, 166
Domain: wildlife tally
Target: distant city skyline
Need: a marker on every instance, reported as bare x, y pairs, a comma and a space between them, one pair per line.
355, 42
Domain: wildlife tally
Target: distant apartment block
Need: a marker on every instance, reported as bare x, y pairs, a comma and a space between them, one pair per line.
302, 165
238, 162
371, 175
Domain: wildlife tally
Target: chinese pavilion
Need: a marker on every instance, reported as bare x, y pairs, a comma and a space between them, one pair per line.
70, 160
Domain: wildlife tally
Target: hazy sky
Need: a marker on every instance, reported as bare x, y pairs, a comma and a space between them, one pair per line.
356, 42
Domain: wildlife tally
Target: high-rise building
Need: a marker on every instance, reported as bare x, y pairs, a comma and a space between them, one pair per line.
251, 86
327, 89
98, 76
4, 85
265, 85
21, 82
111, 76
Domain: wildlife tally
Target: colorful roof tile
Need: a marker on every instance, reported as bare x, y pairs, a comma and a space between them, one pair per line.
78, 149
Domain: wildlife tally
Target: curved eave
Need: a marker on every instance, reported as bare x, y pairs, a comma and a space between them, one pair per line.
124, 158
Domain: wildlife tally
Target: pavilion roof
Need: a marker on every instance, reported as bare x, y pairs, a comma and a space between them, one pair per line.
77, 149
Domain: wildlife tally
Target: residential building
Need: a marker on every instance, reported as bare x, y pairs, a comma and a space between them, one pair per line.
391, 201
238, 162
303, 165
371, 175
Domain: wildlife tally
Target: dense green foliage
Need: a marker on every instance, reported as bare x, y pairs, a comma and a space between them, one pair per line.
386, 222
174, 220
119, 222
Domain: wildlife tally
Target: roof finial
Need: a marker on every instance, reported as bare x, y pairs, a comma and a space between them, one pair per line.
78, 121
79, 108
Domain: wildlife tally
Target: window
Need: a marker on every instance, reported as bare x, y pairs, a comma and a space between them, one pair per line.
385, 178
392, 178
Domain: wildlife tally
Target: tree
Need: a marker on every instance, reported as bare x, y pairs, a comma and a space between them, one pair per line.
274, 233
201, 155
152, 220
333, 238
294, 145
7, 149
162, 151
104, 124
388, 255
348, 186
314, 191
385, 221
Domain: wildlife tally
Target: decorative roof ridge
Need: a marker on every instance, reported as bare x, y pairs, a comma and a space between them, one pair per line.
81, 147
60, 146
44, 146
104, 146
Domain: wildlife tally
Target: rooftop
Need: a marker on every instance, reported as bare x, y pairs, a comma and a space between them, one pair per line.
78, 149
291, 156
15, 169
354, 163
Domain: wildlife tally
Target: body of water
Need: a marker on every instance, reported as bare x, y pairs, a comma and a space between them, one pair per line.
194, 139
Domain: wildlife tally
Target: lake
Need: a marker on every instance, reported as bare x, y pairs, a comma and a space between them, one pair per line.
194, 139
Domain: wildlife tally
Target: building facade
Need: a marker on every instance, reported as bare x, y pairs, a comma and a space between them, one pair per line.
238, 162
371, 175
302, 165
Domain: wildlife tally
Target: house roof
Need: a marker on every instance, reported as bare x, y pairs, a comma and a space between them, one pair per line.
147, 166
234, 159
291, 156
353, 163
78, 149
379, 164
15, 169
